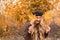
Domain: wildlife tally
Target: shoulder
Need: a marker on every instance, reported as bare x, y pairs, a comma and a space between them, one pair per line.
27, 25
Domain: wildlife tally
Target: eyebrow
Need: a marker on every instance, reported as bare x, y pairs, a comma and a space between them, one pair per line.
38, 16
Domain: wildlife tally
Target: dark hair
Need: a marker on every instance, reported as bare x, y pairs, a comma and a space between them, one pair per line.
37, 13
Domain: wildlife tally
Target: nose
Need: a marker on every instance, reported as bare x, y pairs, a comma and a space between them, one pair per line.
37, 19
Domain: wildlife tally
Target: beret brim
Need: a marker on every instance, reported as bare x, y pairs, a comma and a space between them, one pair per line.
37, 13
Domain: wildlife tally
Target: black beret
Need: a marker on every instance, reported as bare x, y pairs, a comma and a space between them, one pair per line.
37, 13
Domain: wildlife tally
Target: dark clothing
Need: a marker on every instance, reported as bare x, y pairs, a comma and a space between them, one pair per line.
45, 34
27, 36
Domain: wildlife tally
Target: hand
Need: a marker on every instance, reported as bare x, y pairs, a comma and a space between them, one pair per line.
48, 29
30, 29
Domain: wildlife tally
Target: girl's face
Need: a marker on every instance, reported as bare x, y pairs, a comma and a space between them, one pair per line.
38, 19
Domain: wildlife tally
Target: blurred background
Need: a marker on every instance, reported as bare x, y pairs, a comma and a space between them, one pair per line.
15, 14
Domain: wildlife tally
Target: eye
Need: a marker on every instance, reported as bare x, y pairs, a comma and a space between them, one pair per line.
38, 17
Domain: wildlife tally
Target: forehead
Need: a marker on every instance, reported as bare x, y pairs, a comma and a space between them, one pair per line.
38, 16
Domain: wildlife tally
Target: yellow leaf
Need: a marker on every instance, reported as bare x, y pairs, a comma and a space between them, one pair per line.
31, 16
47, 15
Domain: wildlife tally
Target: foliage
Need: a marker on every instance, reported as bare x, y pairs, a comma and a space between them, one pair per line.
19, 12
41, 5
